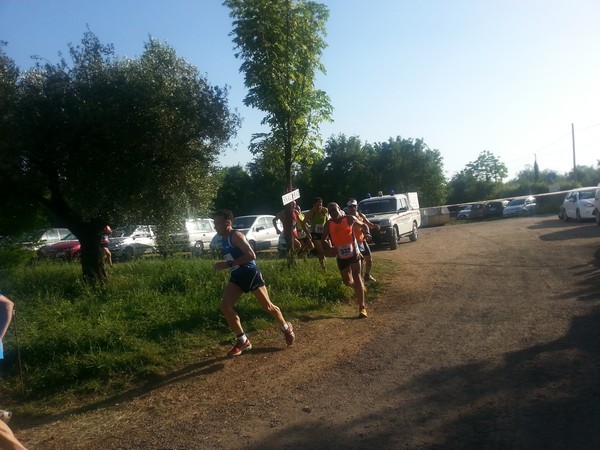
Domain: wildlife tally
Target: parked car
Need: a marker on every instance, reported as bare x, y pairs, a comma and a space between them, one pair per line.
259, 231
35, 240
496, 208
194, 236
478, 211
522, 206
578, 204
126, 243
67, 249
597, 205
464, 213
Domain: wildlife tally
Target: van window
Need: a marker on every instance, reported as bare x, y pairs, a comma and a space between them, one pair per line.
205, 225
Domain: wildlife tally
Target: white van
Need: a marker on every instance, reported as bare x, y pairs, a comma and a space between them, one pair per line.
397, 215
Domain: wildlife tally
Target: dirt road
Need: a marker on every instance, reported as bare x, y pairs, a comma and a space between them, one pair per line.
488, 336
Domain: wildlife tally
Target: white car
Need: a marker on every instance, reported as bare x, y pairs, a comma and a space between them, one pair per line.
579, 205
259, 231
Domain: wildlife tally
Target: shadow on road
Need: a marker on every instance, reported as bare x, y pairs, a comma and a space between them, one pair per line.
545, 396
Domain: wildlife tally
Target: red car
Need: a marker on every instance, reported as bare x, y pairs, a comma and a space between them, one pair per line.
67, 249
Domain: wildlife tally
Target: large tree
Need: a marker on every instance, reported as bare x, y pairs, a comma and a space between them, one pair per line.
406, 165
102, 140
280, 43
487, 168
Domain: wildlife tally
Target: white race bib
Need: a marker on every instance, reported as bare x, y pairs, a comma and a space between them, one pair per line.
319, 228
346, 251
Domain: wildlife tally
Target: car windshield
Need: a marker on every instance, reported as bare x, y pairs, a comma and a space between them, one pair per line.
123, 232
378, 206
243, 222
517, 202
586, 194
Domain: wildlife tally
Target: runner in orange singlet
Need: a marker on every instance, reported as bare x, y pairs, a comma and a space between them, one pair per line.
340, 231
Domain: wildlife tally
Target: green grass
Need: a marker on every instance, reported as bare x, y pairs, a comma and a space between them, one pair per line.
153, 316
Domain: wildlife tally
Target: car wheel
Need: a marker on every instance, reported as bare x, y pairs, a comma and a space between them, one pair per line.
393, 239
127, 254
198, 248
578, 214
415, 233
566, 217
253, 245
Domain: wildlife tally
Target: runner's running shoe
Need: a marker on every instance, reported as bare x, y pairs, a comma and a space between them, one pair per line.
363, 313
238, 348
290, 337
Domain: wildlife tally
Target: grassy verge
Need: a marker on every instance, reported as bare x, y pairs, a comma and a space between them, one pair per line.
80, 343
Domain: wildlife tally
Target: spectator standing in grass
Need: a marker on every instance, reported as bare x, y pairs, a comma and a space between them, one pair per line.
106, 254
316, 217
240, 260
339, 235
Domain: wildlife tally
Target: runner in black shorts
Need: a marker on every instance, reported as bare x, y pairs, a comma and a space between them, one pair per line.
240, 260
363, 238
247, 278
339, 236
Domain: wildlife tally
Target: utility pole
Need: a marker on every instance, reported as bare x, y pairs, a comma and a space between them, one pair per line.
574, 163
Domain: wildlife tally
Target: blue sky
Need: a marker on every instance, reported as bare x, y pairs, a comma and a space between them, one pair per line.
507, 76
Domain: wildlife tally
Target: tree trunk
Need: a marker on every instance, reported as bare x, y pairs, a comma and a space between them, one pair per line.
288, 228
92, 261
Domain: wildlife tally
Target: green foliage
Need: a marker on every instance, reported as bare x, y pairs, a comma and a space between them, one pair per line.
479, 180
153, 316
99, 139
353, 169
280, 43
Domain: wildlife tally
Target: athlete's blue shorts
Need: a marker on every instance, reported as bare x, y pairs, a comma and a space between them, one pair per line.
248, 279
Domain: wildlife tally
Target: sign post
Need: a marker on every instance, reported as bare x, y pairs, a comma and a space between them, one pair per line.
290, 196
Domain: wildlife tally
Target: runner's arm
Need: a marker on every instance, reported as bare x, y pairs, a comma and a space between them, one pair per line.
275, 220
239, 241
370, 224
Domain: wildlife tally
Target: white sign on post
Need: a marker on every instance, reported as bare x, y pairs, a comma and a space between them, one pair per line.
290, 196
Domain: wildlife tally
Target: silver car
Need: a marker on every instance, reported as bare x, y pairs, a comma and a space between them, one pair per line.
125, 243
259, 231
464, 213
523, 206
